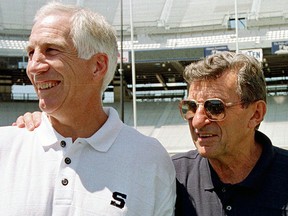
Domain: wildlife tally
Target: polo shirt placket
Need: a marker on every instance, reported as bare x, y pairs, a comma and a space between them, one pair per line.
65, 181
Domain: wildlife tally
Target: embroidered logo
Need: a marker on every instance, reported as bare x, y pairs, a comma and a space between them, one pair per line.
118, 199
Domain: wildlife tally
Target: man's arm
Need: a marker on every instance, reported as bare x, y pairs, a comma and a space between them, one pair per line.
29, 120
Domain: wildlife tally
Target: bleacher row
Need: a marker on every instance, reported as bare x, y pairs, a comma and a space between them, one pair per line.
163, 121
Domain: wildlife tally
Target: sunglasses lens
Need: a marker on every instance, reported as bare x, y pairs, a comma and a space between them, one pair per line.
215, 109
188, 109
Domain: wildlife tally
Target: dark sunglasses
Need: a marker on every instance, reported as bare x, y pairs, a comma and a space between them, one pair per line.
214, 108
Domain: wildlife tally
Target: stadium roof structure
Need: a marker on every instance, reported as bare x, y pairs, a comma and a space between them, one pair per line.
167, 36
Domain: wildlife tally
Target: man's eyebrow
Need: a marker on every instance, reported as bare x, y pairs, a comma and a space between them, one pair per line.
46, 44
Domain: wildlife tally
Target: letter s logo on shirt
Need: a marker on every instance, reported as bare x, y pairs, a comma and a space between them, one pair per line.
119, 199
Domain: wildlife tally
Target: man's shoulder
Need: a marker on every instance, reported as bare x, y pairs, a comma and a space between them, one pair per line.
146, 153
12, 136
131, 135
281, 155
281, 151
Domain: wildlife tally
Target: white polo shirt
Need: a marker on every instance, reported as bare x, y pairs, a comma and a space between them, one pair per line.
117, 171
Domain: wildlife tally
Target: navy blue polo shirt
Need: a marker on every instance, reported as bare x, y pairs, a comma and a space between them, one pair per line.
264, 191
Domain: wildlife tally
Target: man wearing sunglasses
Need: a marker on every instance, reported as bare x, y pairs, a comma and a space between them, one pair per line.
235, 170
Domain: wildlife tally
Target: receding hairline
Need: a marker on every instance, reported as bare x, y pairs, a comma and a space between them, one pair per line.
56, 8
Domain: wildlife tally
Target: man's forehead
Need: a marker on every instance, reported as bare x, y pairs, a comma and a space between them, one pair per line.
207, 88
49, 20
51, 26
52, 20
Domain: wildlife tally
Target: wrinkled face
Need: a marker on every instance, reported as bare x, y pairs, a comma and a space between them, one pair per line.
216, 138
59, 77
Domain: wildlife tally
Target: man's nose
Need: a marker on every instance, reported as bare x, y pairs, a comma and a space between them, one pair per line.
37, 63
200, 118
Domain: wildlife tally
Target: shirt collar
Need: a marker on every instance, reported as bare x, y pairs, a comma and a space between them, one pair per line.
206, 174
101, 140
45, 134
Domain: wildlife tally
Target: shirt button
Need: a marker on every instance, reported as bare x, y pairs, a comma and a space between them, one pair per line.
64, 181
228, 208
67, 160
63, 143
223, 189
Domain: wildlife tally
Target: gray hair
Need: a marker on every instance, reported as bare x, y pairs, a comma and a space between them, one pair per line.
251, 85
90, 33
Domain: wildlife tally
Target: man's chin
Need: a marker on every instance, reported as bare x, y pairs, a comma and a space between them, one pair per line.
205, 151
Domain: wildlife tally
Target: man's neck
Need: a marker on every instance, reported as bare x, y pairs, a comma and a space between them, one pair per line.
234, 169
81, 124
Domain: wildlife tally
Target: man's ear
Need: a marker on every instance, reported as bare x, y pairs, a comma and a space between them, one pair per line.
100, 65
259, 111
